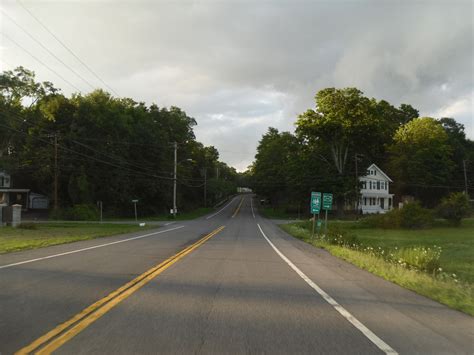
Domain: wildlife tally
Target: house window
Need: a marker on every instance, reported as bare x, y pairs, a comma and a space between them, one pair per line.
375, 172
365, 201
370, 185
2, 181
378, 185
364, 184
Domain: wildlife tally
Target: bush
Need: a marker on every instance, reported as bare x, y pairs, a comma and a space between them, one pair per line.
391, 219
81, 212
84, 213
454, 208
413, 216
27, 226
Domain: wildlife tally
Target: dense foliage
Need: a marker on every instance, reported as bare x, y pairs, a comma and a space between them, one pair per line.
109, 149
335, 142
454, 208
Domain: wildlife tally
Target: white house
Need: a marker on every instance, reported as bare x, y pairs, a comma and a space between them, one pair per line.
9, 195
375, 193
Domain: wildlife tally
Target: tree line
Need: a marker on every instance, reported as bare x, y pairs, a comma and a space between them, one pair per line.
104, 148
335, 142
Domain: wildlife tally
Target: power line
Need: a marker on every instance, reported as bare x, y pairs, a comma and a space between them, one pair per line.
87, 156
66, 47
119, 160
47, 49
39, 61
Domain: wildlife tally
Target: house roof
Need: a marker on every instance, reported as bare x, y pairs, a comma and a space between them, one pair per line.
380, 171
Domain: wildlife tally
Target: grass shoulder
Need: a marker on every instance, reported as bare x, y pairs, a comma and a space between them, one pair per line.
456, 247
47, 234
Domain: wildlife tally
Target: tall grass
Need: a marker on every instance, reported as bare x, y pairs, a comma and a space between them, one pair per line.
416, 268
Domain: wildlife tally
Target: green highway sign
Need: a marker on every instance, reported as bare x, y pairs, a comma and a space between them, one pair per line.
327, 201
315, 202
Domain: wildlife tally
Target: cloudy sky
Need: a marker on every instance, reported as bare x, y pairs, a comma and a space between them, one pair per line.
239, 67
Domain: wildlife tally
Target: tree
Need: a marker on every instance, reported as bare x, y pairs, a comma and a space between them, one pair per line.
420, 159
270, 170
109, 149
343, 124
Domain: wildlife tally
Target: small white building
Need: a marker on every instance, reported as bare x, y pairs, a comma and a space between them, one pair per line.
375, 191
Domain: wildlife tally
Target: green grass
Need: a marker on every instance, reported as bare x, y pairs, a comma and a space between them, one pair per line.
456, 257
16, 239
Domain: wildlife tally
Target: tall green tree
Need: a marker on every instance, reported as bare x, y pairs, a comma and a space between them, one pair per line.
421, 159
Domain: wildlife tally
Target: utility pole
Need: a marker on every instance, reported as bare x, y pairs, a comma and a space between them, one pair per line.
205, 187
465, 177
56, 173
174, 177
357, 185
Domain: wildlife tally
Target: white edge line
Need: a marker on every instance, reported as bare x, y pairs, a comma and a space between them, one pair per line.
251, 206
222, 209
88, 248
387, 349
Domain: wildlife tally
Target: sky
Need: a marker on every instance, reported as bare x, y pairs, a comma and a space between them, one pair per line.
239, 67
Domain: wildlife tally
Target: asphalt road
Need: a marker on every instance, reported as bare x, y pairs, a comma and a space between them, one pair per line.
247, 288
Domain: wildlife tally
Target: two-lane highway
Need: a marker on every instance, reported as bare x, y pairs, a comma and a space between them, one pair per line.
231, 282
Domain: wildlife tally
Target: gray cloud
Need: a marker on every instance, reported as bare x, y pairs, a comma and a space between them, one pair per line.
241, 66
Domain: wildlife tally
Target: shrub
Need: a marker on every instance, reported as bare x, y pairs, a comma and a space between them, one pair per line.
81, 212
413, 216
84, 213
27, 226
391, 219
454, 208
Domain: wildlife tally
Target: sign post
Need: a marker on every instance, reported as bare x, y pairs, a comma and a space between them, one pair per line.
315, 208
99, 204
327, 205
135, 207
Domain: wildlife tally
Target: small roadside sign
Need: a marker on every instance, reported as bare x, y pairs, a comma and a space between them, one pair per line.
134, 201
315, 202
327, 201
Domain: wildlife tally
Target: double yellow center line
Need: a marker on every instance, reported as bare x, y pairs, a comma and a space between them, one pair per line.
238, 208
67, 330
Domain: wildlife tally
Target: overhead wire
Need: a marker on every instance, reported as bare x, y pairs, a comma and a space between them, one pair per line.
40, 61
46, 48
66, 47
100, 160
